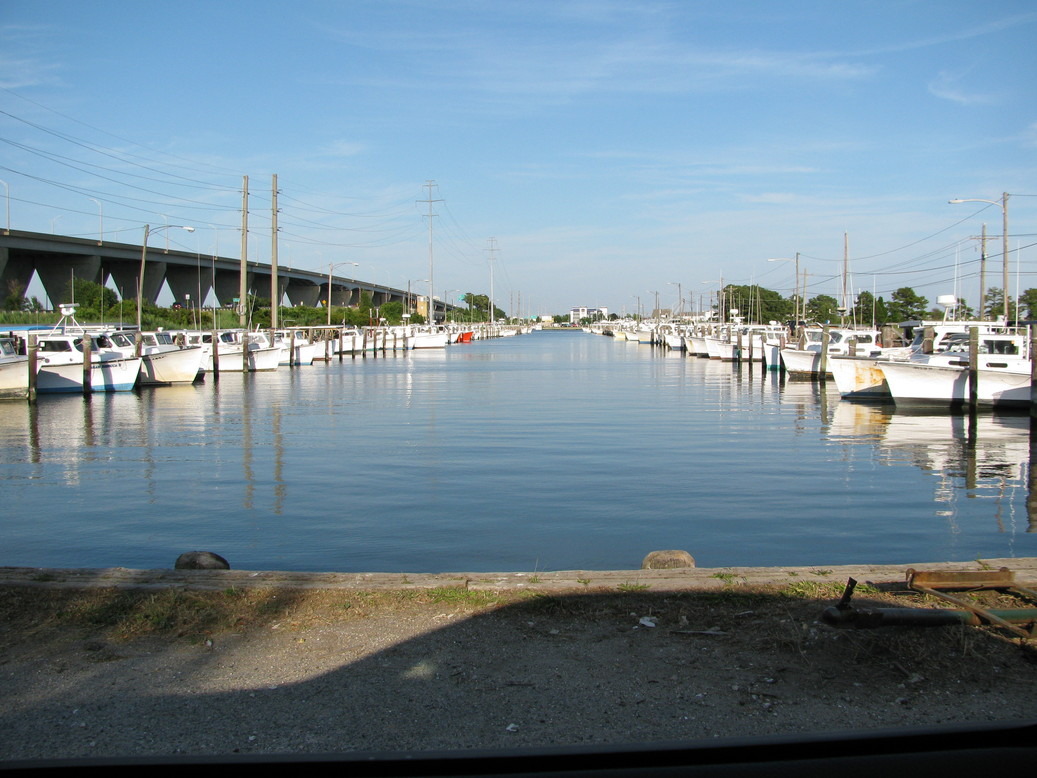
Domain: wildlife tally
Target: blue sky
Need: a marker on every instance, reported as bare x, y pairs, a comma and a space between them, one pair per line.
611, 149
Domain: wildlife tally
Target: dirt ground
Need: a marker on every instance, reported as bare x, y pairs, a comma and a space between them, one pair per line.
111, 672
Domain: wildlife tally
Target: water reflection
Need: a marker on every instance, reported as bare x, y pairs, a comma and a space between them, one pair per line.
980, 456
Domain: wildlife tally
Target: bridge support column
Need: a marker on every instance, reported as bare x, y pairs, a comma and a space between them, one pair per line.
17, 270
302, 293
56, 277
191, 281
228, 286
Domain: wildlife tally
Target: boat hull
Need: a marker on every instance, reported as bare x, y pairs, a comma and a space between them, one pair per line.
14, 379
860, 378
948, 386
110, 375
181, 366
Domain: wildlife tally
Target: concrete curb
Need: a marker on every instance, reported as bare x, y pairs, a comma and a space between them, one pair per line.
687, 579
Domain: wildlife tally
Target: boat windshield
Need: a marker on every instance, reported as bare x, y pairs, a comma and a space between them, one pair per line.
58, 345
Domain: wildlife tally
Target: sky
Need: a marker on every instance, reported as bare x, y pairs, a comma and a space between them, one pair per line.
600, 153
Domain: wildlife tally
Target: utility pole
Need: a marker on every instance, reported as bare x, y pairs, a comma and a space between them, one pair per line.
492, 250
275, 287
983, 273
243, 279
431, 278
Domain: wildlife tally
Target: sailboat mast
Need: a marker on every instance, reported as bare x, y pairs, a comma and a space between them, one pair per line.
846, 273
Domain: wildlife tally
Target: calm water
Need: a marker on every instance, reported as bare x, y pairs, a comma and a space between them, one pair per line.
547, 451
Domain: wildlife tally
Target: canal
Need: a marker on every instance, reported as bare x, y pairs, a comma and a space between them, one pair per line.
546, 451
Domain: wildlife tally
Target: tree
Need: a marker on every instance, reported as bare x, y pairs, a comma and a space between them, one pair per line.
758, 304
995, 304
392, 312
905, 304
823, 308
15, 300
869, 309
91, 296
479, 308
1028, 303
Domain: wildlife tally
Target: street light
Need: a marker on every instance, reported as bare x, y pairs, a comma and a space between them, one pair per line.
144, 259
331, 268
1003, 205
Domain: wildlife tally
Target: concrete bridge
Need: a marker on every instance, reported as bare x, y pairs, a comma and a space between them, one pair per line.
55, 259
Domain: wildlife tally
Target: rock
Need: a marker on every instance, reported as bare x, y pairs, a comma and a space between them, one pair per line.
201, 560
667, 560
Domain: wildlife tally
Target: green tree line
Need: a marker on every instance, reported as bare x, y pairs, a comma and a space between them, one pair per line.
97, 303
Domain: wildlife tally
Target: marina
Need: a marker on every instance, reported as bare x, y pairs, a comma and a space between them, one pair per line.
543, 452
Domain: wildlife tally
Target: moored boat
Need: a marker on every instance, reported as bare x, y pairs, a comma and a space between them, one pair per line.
14, 371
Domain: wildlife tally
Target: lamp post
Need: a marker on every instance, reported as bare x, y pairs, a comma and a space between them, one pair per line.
331, 268
795, 291
1003, 205
144, 260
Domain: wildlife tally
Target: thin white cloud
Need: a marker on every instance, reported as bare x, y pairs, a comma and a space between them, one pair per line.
1030, 135
946, 87
343, 148
19, 71
968, 33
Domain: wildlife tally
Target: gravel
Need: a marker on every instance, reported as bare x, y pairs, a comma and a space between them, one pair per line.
541, 671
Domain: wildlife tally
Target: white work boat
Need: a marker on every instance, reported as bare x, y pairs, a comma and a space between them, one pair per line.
14, 371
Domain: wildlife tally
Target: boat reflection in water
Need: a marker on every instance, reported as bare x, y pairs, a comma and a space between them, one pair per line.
990, 455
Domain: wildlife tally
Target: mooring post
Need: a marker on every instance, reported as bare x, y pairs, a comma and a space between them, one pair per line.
1033, 374
32, 351
974, 368
823, 367
87, 360
215, 354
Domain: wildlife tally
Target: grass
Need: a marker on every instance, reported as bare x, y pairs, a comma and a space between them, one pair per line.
632, 587
34, 613
822, 589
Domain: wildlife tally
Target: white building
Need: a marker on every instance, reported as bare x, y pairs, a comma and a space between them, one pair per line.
577, 314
